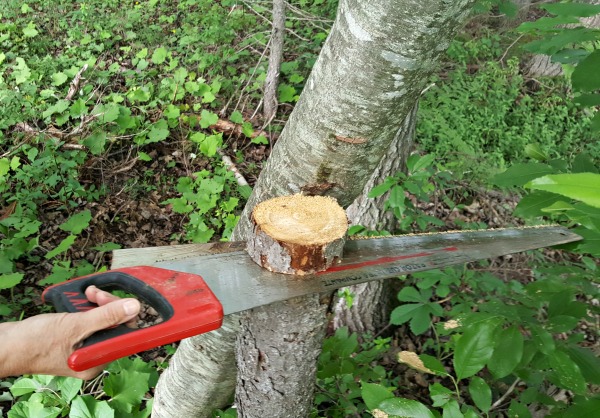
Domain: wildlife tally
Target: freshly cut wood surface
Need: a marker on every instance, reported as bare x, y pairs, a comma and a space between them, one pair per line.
297, 234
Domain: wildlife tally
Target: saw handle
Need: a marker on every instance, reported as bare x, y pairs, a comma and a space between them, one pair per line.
184, 301
70, 297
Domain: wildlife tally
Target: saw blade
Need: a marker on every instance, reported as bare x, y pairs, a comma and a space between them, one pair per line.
240, 284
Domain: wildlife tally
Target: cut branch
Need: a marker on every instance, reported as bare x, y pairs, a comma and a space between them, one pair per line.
297, 234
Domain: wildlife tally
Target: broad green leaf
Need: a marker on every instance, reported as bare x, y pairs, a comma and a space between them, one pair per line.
572, 9
520, 174
474, 348
77, 223
208, 118
433, 364
8, 281
533, 204
96, 142
64, 245
286, 93
535, 151
583, 408
127, 389
440, 395
107, 246
581, 186
589, 100
405, 408
421, 320
24, 386
68, 387
159, 56
543, 339
583, 163
410, 294
518, 410
374, 394
158, 132
58, 79
508, 352
236, 117
33, 408
88, 407
480, 393
588, 363
404, 313
585, 77
423, 162
568, 372
30, 31
172, 112
382, 188
452, 410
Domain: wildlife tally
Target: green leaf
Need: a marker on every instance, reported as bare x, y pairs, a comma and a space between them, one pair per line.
583, 408
422, 163
520, 174
474, 348
382, 188
568, 372
8, 281
237, 117
588, 100
433, 364
405, 408
88, 407
581, 186
535, 151
404, 313
30, 31
480, 393
518, 410
374, 394
158, 132
159, 56
68, 387
208, 118
410, 294
24, 386
583, 163
585, 77
572, 9
127, 389
508, 352
107, 246
64, 246
452, 410
96, 142
543, 339
287, 93
588, 363
58, 79
172, 112
533, 204
77, 223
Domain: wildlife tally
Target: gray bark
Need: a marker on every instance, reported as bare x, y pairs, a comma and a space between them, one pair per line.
275, 56
370, 310
368, 77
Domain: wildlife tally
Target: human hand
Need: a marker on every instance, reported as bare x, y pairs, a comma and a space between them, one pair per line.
42, 344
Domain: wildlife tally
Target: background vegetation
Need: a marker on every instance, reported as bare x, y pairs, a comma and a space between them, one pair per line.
118, 121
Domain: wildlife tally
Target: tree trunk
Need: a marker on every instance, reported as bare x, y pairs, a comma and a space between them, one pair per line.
275, 56
367, 79
370, 310
542, 65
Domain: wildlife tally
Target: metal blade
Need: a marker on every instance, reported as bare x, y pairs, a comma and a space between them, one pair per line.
240, 284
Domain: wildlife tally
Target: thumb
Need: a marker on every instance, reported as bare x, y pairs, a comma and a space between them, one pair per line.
111, 314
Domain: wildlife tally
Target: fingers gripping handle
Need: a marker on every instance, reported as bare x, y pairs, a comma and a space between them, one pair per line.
185, 303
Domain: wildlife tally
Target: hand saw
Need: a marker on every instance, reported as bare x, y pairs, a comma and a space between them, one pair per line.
192, 295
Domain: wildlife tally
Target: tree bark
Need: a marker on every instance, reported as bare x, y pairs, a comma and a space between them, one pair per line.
367, 79
275, 56
370, 310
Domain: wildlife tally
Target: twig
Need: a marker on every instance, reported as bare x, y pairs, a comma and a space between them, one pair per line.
241, 180
503, 397
509, 47
75, 83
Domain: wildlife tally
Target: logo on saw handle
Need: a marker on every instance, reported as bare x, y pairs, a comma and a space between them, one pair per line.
79, 301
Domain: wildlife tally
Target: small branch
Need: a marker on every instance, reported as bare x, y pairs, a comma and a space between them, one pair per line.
241, 180
75, 83
503, 397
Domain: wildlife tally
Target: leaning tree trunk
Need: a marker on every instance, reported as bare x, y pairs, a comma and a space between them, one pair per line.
370, 309
367, 79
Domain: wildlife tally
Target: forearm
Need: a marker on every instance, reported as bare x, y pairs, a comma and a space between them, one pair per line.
8, 360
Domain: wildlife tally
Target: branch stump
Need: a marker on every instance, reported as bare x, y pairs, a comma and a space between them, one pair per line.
297, 234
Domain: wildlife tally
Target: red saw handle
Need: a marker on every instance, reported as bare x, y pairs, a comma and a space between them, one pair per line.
184, 301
